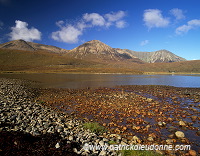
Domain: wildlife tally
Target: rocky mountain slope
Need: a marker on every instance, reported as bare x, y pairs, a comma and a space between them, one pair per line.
93, 56
98, 51
30, 46
157, 56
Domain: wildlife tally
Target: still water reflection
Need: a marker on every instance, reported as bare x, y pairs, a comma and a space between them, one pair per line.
107, 80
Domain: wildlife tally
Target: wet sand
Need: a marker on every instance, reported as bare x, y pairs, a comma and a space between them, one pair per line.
152, 113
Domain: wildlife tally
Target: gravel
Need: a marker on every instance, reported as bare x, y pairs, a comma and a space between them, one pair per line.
48, 131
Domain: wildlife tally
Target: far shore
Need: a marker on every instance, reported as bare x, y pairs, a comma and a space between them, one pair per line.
79, 72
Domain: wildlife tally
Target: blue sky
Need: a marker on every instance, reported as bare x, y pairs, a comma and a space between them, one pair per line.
140, 25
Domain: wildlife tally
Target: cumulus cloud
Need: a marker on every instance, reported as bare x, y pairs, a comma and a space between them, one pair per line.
121, 24
21, 31
177, 13
95, 19
154, 18
186, 27
145, 42
60, 23
107, 20
70, 33
116, 18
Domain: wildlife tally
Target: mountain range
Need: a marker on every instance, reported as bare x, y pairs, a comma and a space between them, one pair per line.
94, 56
157, 56
98, 50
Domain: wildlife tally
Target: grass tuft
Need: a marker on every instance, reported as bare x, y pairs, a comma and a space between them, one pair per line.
139, 153
94, 127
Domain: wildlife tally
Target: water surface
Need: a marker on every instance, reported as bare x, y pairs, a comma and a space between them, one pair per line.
107, 80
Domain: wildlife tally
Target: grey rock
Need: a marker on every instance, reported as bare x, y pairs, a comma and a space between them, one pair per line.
182, 123
150, 139
57, 145
101, 143
71, 138
102, 153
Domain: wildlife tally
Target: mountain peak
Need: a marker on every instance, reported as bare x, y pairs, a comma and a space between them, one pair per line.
17, 44
96, 44
94, 47
30, 46
94, 41
157, 56
98, 51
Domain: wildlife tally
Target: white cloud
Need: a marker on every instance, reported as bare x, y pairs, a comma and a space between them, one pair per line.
70, 33
194, 23
154, 18
183, 29
178, 13
82, 25
121, 24
186, 27
95, 19
115, 18
145, 42
21, 31
60, 23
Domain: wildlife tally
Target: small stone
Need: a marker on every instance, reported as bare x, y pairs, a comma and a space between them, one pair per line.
71, 138
170, 119
15, 142
102, 153
194, 118
172, 129
182, 123
159, 152
101, 143
185, 140
198, 133
149, 100
123, 143
75, 150
150, 139
135, 139
192, 152
161, 123
169, 141
124, 128
106, 140
179, 134
57, 145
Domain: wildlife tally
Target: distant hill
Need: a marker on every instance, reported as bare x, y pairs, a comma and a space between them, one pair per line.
157, 56
92, 56
30, 46
49, 48
98, 51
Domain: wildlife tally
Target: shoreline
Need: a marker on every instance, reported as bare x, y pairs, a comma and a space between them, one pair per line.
126, 73
24, 117
21, 107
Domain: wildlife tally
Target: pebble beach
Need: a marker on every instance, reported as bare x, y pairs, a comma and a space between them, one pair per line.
35, 121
